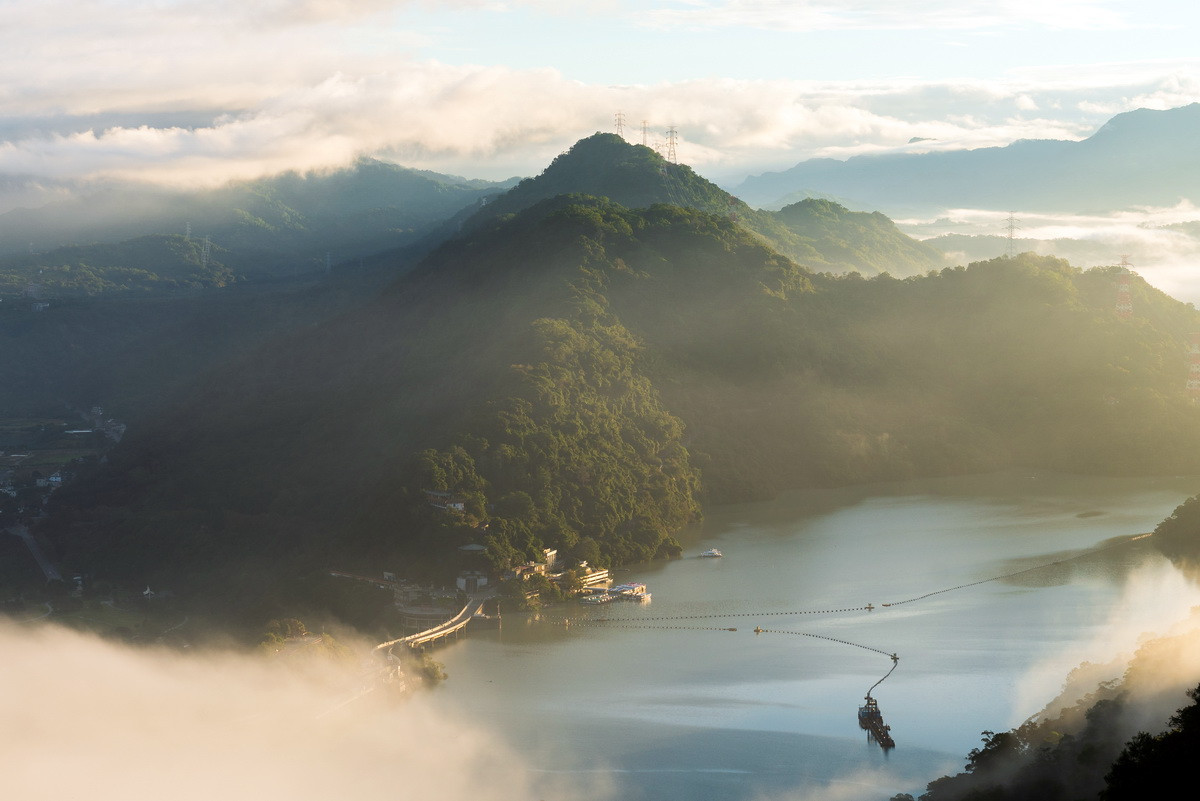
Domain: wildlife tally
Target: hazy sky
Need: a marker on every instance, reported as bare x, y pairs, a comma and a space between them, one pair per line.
181, 90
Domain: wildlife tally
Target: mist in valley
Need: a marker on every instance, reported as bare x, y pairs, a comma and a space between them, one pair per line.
87, 715
330, 311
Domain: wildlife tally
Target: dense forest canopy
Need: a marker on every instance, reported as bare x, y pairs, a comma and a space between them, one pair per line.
586, 375
821, 236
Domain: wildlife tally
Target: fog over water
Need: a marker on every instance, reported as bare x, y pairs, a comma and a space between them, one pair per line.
89, 718
538, 709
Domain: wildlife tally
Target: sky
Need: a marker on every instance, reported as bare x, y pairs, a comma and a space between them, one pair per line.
184, 92
189, 92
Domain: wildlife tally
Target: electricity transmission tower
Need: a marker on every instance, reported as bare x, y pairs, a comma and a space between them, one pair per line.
672, 138
1011, 227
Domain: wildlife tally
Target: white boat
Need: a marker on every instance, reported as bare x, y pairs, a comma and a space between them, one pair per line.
712, 553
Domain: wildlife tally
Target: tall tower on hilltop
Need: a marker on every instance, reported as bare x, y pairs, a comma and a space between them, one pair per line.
619, 118
672, 138
1011, 227
1193, 381
1124, 305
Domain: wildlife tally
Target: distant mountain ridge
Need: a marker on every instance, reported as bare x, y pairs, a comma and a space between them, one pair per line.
1142, 157
152, 263
285, 224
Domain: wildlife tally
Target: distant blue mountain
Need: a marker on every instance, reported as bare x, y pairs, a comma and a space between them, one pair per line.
276, 225
1141, 157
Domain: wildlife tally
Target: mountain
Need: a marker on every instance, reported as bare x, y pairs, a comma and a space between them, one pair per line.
585, 376
284, 225
153, 263
635, 176
867, 243
1142, 157
127, 339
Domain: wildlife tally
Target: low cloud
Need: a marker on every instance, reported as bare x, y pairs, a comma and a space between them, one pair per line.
198, 94
1157, 601
496, 122
1162, 243
87, 717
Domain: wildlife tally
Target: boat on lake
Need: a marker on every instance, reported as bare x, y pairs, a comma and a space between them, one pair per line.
712, 553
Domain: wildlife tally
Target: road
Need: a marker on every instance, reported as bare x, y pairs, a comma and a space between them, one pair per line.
48, 568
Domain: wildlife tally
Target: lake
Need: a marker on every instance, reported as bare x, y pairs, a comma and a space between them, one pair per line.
665, 702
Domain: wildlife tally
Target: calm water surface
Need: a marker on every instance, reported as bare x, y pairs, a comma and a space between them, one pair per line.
642, 711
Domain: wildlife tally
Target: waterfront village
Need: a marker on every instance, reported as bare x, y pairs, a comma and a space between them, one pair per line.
424, 608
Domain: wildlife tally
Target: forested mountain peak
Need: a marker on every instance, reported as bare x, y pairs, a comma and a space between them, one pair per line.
605, 165
867, 242
635, 176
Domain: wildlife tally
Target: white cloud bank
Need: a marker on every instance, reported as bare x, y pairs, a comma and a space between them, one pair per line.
496, 122
90, 719
101, 90
1161, 243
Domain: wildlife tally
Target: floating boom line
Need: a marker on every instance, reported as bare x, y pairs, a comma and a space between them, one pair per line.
1022, 571
895, 659
870, 607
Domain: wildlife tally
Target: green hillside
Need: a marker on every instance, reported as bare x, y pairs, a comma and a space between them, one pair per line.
867, 242
584, 376
145, 264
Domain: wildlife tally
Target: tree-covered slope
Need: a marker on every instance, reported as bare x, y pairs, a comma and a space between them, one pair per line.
869, 243
567, 369
498, 355
1179, 535
1127, 737
146, 264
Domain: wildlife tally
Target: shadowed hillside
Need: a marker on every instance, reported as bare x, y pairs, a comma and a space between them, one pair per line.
566, 370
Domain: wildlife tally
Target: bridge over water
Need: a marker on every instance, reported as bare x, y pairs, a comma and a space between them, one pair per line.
434, 633
444, 629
